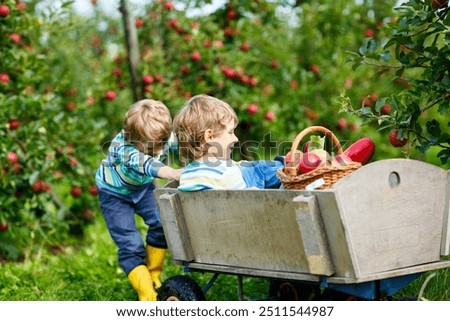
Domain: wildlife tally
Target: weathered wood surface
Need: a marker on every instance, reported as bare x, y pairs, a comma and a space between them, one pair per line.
392, 215
174, 227
388, 218
256, 229
391, 274
445, 247
313, 235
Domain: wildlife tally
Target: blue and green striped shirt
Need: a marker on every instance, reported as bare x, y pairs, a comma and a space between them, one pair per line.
125, 168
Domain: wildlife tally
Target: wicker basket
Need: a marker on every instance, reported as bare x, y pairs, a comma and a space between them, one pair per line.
330, 173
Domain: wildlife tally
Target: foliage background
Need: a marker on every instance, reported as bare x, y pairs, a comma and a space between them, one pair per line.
283, 66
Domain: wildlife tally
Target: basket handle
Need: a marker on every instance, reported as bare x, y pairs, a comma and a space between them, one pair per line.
311, 129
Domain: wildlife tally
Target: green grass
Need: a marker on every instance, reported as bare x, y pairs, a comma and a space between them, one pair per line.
89, 271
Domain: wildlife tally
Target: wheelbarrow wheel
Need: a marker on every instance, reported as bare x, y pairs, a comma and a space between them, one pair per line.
293, 291
180, 288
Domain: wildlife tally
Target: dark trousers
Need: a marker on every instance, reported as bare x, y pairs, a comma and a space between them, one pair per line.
119, 213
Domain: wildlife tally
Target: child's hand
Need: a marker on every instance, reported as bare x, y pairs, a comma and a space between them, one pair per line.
170, 173
176, 174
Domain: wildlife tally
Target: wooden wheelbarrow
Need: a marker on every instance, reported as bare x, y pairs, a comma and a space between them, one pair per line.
368, 236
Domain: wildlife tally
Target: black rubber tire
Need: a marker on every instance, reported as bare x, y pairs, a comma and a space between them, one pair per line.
180, 288
293, 291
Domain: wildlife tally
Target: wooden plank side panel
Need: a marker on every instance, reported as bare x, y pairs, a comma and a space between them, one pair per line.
339, 241
251, 229
391, 273
393, 214
313, 235
238, 270
445, 247
174, 227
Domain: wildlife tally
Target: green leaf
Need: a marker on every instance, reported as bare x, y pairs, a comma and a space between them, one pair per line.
434, 128
33, 177
385, 56
369, 45
380, 103
365, 111
400, 72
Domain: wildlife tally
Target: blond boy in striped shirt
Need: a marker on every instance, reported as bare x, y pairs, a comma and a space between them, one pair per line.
125, 184
205, 130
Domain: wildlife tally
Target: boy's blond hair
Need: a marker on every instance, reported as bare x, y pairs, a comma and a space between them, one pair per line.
147, 124
196, 116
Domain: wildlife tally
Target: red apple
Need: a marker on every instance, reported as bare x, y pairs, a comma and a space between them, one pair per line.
38, 186
369, 33
342, 123
110, 95
315, 69
253, 81
4, 78
292, 161
231, 15
168, 5
184, 70
70, 105
117, 72
310, 161
139, 23
15, 37
367, 101
147, 79
195, 56
348, 82
76, 191
252, 109
3, 226
244, 47
12, 158
21, 6
73, 161
306, 146
269, 116
395, 140
172, 23
386, 109
93, 190
88, 214
13, 124
228, 32
4, 11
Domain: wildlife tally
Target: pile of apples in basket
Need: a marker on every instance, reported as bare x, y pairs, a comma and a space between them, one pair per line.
314, 155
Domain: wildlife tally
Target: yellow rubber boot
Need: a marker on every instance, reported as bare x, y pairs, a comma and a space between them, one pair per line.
142, 283
155, 261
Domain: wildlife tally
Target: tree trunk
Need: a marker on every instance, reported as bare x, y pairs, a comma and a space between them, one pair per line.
133, 49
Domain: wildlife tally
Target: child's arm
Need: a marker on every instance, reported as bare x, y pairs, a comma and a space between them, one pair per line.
169, 173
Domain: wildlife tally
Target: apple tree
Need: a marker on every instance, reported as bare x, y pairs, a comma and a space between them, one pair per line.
414, 51
50, 132
280, 64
